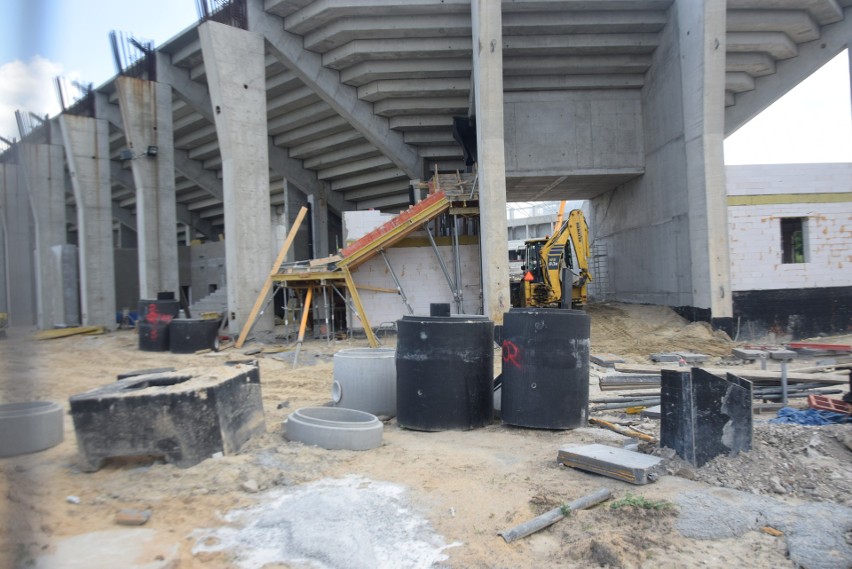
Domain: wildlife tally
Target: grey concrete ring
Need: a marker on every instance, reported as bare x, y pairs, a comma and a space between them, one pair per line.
335, 428
30, 427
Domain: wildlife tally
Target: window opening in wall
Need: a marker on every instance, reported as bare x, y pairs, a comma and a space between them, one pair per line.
793, 240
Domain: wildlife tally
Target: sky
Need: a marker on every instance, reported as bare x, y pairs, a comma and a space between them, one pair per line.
42, 39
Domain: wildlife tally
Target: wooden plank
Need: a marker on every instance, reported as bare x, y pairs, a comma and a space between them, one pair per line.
376, 289
324, 261
267, 284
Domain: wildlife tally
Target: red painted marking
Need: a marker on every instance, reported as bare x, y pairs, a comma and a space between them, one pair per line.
153, 316
511, 354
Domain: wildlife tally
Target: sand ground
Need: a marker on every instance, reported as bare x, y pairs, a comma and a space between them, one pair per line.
468, 485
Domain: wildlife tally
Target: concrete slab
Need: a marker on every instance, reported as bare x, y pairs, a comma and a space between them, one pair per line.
665, 357
605, 360
616, 380
621, 464
692, 358
748, 355
783, 355
128, 548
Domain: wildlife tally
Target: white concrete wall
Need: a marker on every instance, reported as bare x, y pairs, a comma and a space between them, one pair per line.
418, 270
755, 232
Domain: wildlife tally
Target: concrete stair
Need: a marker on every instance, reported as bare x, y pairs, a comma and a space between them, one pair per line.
214, 302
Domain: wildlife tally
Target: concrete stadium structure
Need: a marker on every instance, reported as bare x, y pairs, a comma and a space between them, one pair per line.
341, 103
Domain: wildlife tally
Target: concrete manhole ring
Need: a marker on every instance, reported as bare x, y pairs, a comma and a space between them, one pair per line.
335, 428
29, 427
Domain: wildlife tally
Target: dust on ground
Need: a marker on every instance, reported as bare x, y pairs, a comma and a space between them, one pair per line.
466, 485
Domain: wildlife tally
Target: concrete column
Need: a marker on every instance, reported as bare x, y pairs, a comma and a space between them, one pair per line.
702, 29
43, 168
319, 211
487, 24
236, 76
87, 154
20, 247
4, 292
146, 111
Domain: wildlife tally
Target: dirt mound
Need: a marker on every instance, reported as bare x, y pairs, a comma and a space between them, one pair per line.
635, 331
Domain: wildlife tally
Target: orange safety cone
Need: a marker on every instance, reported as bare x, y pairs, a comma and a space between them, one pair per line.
528, 277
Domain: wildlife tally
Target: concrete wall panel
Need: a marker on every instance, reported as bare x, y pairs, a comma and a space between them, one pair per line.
565, 132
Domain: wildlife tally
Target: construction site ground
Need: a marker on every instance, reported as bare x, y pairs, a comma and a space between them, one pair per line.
439, 499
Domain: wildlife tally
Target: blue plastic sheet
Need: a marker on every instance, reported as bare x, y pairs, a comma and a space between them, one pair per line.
813, 417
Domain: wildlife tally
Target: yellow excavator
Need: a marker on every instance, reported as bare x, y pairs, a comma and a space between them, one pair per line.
551, 264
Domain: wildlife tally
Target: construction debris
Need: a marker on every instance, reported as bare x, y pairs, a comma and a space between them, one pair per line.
549, 518
626, 431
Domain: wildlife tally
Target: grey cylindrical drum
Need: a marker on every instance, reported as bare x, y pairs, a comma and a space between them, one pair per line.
365, 380
444, 372
545, 368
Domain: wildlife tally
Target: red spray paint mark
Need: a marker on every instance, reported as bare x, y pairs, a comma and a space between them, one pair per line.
511, 354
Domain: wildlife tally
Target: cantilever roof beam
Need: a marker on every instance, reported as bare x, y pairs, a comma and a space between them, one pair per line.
326, 83
198, 97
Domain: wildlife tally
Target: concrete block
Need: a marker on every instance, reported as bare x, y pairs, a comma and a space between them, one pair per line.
184, 416
621, 464
704, 416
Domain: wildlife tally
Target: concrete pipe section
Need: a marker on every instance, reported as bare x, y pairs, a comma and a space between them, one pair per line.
365, 380
335, 428
29, 427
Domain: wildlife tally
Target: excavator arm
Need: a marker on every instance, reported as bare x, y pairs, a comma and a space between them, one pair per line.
563, 260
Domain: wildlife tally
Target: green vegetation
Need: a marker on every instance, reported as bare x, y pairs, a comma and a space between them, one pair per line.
641, 502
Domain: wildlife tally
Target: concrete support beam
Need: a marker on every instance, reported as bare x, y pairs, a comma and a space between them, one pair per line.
702, 46
87, 156
20, 279
287, 47
192, 170
486, 21
789, 73
234, 60
389, 69
43, 168
146, 110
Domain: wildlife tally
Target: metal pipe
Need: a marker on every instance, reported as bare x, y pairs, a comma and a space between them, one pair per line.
457, 263
325, 303
443, 266
396, 281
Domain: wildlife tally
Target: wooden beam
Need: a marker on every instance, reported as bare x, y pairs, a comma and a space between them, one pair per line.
267, 284
350, 284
